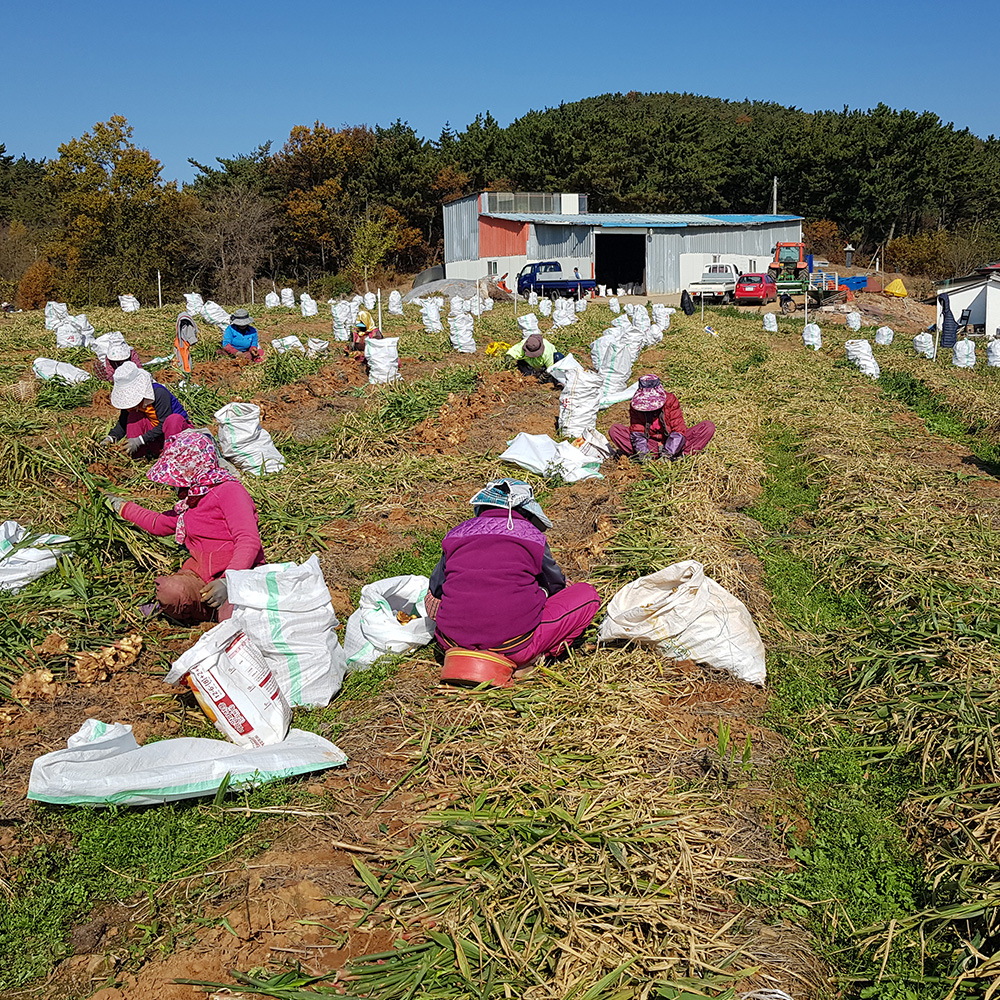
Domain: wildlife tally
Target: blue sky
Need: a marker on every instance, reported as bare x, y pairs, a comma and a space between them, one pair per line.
217, 78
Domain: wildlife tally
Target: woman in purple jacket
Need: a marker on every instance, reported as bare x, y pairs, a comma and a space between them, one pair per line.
497, 586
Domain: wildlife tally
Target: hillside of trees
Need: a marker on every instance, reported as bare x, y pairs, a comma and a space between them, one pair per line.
332, 206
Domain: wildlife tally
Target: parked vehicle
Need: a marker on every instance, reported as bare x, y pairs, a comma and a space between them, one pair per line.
547, 278
756, 288
718, 284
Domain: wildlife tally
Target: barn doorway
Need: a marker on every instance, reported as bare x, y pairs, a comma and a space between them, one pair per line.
620, 261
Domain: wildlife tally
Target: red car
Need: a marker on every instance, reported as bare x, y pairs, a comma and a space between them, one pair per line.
756, 288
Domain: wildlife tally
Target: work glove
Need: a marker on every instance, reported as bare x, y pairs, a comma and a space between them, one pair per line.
114, 503
215, 594
132, 445
106, 442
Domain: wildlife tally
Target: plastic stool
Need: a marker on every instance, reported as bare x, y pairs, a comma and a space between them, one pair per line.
471, 667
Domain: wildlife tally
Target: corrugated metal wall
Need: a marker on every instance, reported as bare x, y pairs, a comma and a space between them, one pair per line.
549, 242
461, 229
664, 250
502, 238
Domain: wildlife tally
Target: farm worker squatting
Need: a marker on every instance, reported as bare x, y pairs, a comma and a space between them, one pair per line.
240, 337
214, 519
655, 414
118, 353
497, 587
150, 413
534, 355
364, 328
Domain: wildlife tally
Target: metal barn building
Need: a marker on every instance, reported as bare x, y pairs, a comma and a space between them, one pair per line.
498, 233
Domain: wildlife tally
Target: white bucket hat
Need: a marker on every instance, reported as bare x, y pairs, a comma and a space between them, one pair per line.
132, 385
118, 350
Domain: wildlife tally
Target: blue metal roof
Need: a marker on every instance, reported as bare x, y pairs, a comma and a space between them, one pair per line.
639, 220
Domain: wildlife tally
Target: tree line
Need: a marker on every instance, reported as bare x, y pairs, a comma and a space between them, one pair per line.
332, 208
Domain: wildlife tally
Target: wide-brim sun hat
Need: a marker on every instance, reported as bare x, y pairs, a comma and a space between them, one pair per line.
650, 395
510, 495
118, 349
131, 386
240, 318
534, 346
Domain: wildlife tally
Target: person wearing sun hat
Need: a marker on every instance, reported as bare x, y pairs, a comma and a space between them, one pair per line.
214, 519
656, 425
364, 329
118, 353
497, 587
150, 413
534, 355
240, 337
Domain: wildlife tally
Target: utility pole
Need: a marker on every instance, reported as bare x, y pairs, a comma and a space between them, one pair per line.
774, 198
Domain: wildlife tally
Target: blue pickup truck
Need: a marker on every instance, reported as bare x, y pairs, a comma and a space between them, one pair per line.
548, 279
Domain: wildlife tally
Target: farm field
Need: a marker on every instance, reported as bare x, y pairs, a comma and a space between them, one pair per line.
619, 825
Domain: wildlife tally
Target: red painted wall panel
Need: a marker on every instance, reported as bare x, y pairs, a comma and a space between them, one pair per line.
502, 238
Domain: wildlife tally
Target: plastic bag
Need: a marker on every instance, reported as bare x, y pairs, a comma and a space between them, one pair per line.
812, 336
285, 608
104, 765
46, 368
383, 359
290, 343
883, 335
579, 402
770, 323
614, 305
859, 353
129, 303
308, 305
272, 300
923, 343
214, 313
24, 556
195, 303
687, 615
460, 332
375, 628
288, 298
540, 454
244, 442
545, 307
854, 321
963, 354
234, 685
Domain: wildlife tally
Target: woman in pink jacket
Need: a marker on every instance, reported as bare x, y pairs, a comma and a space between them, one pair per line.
214, 519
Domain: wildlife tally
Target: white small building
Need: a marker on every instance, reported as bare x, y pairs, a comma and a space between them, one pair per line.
498, 232
980, 294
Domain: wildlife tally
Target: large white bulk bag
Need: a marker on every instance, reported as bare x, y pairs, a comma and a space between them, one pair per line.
923, 343
341, 320
374, 629
579, 402
859, 353
370, 300
195, 303
285, 608
770, 323
288, 298
308, 305
272, 300
688, 616
883, 336
545, 307
614, 305
854, 321
963, 354
460, 330
383, 359
129, 303
993, 354
55, 313
812, 336
244, 442
395, 303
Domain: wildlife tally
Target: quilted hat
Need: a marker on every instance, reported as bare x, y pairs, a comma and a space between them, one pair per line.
240, 318
534, 346
131, 386
510, 495
118, 350
650, 395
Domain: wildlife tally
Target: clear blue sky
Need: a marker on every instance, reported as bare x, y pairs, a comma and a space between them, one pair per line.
217, 77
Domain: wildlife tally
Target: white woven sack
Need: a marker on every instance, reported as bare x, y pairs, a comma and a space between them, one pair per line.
563, 313
594, 445
614, 305
315, 347
580, 305
640, 318
214, 313
963, 354
55, 313
244, 442
545, 307
560, 370
395, 303
383, 359
770, 323
458, 306
103, 764
194, 302
687, 615
283, 345
308, 305
579, 402
661, 315
528, 324
272, 300
854, 321
812, 336
532, 298
46, 368
923, 343
460, 331
430, 313
629, 310
488, 305
129, 303
538, 453
993, 354
883, 336
859, 353
69, 334
370, 300
285, 608
652, 335
341, 318
21, 563
288, 298
374, 630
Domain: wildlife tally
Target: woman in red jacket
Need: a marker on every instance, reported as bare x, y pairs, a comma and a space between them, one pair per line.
654, 415
214, 518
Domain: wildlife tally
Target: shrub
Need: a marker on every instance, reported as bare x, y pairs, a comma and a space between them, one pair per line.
331, 286
36, 285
